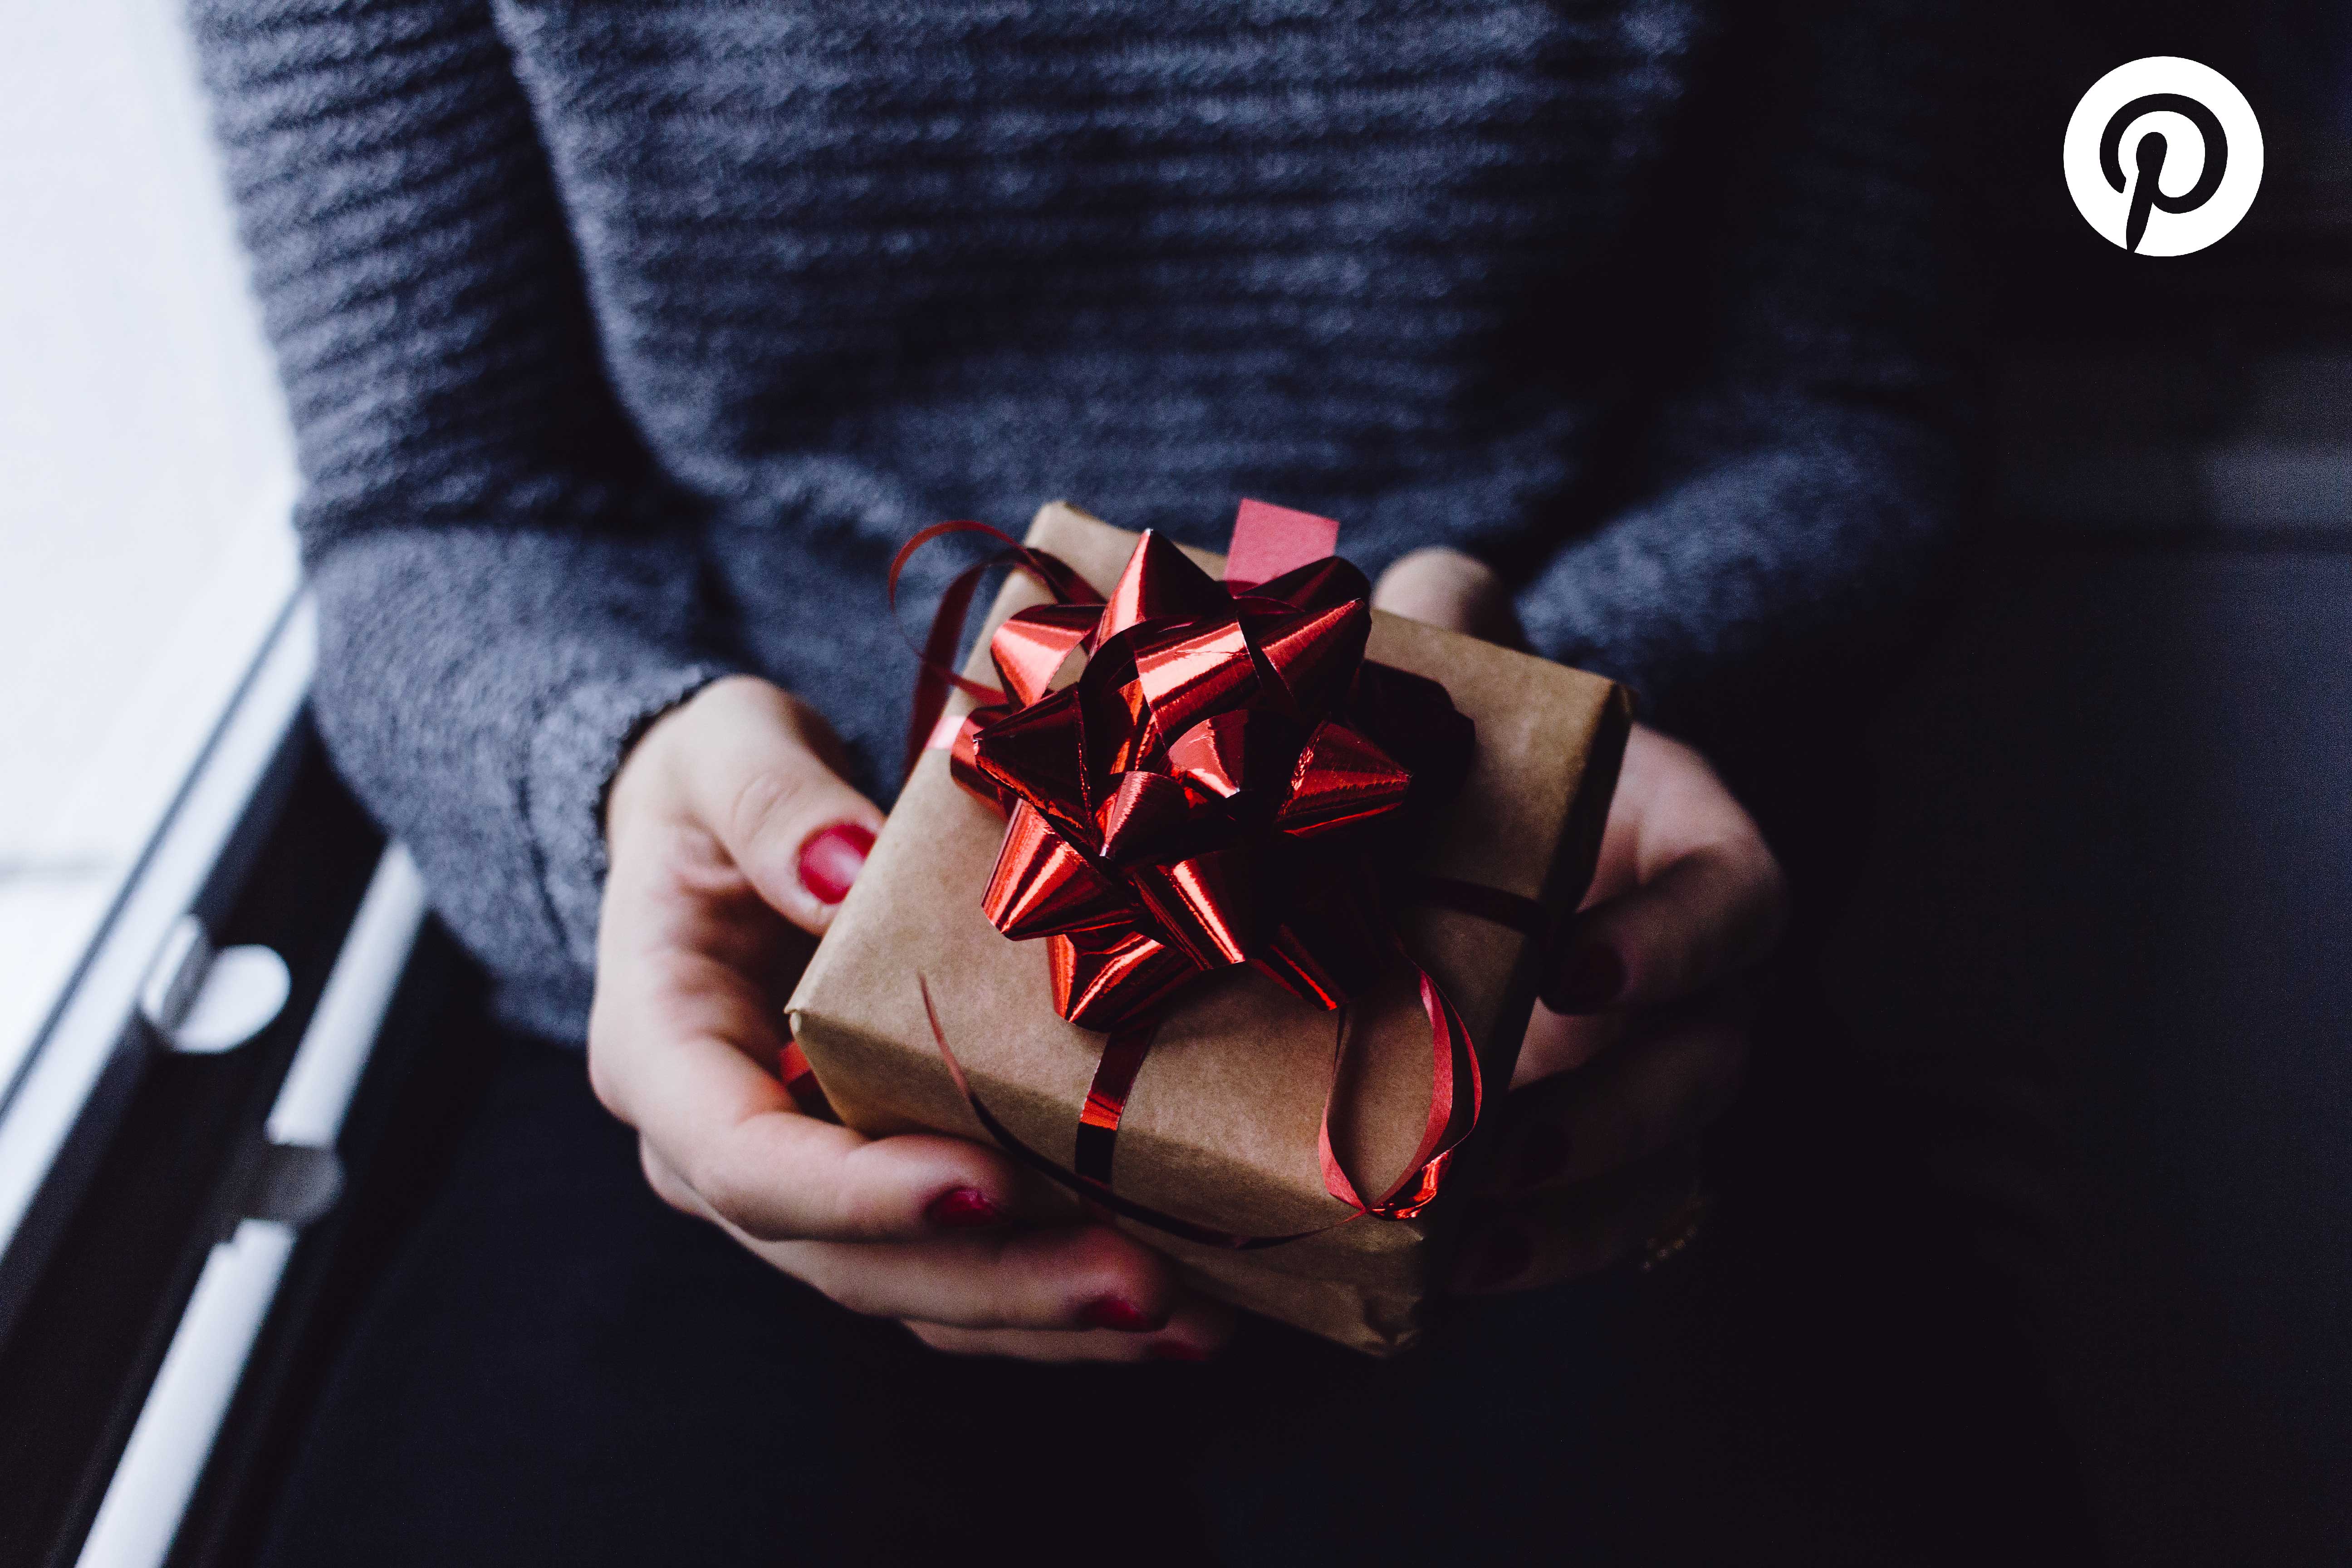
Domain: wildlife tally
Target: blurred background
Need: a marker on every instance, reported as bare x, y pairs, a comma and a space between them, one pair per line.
2111, 854
145, 467
2113, 849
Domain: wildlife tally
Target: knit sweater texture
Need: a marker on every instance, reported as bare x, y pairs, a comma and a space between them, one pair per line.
625, 343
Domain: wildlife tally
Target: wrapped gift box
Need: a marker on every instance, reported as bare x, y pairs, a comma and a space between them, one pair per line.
1220, 1134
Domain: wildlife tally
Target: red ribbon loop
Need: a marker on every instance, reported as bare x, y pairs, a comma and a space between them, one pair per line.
938, 674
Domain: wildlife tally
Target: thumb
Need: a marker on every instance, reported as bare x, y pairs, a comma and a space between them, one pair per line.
1706, 898
1702, 920
755, 766
1446, 589
1697, 895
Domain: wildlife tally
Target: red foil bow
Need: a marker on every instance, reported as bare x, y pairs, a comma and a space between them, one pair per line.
1198, 775
1209, 790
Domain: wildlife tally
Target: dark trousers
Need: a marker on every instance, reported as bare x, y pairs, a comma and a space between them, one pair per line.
549, 1367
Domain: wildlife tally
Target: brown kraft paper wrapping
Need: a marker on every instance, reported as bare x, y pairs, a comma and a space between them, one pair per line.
1221, 1127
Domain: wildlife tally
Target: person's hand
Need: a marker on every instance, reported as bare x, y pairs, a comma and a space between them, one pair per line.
729, 827
1641, 1039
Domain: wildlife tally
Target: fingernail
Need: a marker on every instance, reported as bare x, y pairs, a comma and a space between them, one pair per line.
1588, 980
963, 1208
1174, 1350
1500, 1258
1113, 1313
832, 858
1541, 1155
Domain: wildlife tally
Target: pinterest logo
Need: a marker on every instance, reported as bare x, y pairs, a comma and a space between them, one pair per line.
2163, 156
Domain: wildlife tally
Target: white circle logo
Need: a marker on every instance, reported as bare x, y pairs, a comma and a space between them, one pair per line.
2163, 156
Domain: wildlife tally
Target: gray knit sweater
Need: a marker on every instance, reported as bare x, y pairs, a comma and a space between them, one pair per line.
625, 343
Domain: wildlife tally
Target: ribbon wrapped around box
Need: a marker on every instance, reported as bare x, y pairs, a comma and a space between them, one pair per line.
1217, 904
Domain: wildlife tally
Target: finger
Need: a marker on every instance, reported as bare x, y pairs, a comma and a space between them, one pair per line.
1066, 1277
667, 1185
1703, 919
1568, 1233
1697, 896
1556, 1043
679, 1047
728, 1132
1658, 1093
758, 777
1075, 1281
1443, 587
1197, 1330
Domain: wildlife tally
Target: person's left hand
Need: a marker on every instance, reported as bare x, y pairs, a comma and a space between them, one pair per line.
1642, 1036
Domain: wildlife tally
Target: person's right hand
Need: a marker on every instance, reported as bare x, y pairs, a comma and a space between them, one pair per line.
727, 826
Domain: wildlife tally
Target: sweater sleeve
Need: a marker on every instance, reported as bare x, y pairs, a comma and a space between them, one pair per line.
1802, 470
503, 597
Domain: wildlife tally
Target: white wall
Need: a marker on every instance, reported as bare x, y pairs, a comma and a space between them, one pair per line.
144, 463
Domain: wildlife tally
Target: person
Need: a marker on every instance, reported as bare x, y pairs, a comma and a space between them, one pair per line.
625, 345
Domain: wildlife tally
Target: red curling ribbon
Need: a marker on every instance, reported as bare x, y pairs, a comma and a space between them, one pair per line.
938, 674
1099, 1121
1451, 1058
1106, 1104
1521, 913
1199, 775
1094, 1192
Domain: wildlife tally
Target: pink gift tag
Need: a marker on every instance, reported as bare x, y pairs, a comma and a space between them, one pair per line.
1271, 540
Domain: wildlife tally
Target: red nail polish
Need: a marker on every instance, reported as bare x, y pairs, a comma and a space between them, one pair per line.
963, 1208
1588, 980
1503, 1259
1542, 1154
1174, 1350
832, 858
1111, 1313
